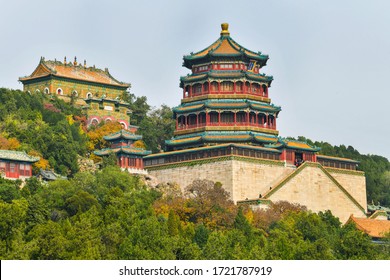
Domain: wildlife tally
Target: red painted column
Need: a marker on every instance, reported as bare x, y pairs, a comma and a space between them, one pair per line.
283, 155
256, 119
184, 92
235, 118
207, 118
274, 121
247, 118
219, 87
266, 120
219, 117
190, 91
234, 87
209, 86
177, 122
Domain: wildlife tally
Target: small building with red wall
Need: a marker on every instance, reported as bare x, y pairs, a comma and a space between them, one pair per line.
16, 165
129, 157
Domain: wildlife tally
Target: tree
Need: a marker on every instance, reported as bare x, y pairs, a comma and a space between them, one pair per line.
12, 216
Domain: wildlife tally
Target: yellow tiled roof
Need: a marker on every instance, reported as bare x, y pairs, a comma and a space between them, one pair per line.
374, 228
298, 145
226, 48
77, 72
190, 139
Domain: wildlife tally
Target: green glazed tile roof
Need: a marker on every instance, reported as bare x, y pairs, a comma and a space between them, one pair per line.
336, 158
122, 134
221, 75
225, 136
164, 154
17, 156
226, 104
126, 150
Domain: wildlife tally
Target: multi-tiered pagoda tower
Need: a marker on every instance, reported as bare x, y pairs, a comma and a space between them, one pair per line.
225, 98
226, 132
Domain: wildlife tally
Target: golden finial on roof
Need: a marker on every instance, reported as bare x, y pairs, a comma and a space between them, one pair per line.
65, 60
85, 63
225, 31
75, 61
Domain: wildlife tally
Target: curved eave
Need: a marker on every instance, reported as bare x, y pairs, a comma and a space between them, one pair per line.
31, 79
129, 151
122, 134
225, 105
338, 159
304, 149
273, 109
222, 137
212, 52
187, 109
127, 137
223, 75
135, 152
179, 142
227, 138
122, 103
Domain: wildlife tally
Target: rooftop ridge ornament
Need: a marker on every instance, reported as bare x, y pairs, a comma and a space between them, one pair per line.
225, 31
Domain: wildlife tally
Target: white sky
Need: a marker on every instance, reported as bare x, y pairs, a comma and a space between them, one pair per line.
330, 59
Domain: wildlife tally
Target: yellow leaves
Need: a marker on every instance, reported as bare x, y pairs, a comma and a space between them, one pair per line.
9, 144
41, 163
95, 158
249, 215
95, 136
139, 144
70, 119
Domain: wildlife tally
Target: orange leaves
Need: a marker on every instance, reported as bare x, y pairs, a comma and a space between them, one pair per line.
9, 144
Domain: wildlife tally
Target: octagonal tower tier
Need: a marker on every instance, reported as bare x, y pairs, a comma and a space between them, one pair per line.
225, 98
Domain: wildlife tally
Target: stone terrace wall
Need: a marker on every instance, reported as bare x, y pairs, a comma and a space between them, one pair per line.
314, 189
248, 178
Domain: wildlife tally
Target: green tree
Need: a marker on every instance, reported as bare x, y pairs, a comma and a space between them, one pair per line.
12, 216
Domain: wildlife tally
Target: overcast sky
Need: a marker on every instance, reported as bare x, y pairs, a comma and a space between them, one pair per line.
330, 59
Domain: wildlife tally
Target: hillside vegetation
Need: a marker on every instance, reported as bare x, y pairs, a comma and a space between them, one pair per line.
112, 215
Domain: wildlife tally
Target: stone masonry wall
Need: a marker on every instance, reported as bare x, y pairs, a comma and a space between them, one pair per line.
312, 188
251, 179
355, 184
220, 171
247, 179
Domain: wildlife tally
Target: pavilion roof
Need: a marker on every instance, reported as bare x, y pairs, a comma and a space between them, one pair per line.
225, 104
224, 47
73, 71
122, 134
372, 227
17, 156
293, 144
125, 150
225, 136
337, 158
225, 74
